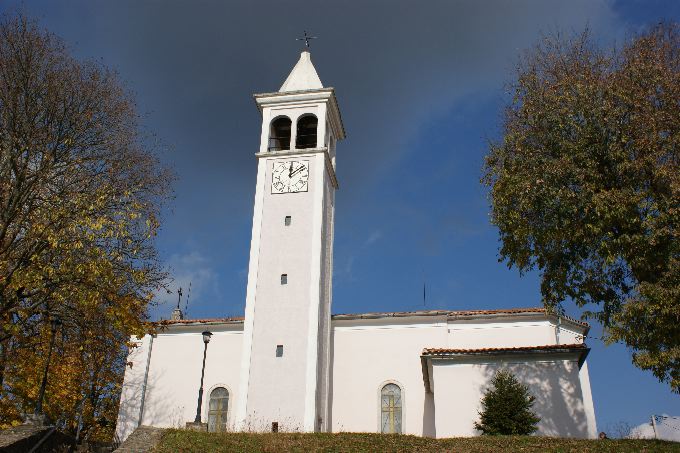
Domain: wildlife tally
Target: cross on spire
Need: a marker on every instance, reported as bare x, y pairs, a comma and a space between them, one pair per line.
306, 39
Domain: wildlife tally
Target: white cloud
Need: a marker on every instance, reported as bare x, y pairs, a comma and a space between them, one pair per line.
346, 270
374, 236
348, 265
185, 269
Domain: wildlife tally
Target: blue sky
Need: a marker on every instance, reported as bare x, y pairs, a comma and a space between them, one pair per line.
421, 92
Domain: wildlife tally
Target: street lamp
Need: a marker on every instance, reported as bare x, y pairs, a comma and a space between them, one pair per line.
55, 323
206, 340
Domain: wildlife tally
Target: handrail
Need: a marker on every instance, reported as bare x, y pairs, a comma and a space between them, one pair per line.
41, 441
278, 143
301, 139
283, 143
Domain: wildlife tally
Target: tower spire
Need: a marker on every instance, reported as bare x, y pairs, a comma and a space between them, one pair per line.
304, 75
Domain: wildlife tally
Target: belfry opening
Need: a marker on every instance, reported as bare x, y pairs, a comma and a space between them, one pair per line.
306, 132
279, 134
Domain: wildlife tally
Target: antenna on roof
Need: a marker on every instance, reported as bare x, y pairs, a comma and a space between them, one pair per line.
424, 291
424, 295
186, 305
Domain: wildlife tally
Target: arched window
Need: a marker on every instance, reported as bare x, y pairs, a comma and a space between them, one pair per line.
390, 409
279, 134
217, 410
306, 132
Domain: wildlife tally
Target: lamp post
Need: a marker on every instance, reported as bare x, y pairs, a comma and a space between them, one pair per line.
55, 323
206, 340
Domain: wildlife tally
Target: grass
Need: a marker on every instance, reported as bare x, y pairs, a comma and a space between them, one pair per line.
176, 440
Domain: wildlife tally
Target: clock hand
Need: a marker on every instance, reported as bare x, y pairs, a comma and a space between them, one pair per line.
299, 169
290, 170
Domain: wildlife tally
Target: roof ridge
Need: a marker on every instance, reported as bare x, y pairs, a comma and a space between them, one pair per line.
444, 351
441, 311
458, 313
395, 314
165, 322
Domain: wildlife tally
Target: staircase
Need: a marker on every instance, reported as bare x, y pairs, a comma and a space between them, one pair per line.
142, 440
34, 438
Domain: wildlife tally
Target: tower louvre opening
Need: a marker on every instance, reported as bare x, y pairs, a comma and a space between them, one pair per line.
279, 134
306, 132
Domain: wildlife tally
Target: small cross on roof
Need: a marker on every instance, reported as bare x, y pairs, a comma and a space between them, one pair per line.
306, 39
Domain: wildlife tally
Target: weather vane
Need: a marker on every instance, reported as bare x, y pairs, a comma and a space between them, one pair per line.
306, 39
179, 296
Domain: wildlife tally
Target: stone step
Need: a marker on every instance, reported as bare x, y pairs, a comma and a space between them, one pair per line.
142, 440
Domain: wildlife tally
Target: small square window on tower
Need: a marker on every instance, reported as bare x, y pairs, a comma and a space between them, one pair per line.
279, 350
286, 221
284, 279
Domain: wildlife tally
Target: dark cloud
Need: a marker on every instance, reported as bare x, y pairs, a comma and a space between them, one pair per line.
395, 65
194, 65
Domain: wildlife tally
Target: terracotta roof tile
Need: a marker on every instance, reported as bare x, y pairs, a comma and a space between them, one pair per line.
549, 347
167, 322
498, 311
516, 310
450, 313
395, 314
574, 320
440, 312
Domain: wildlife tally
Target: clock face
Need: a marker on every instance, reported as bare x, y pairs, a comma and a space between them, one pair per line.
290, 177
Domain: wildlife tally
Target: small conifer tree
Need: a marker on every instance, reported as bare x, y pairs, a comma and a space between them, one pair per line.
506, 407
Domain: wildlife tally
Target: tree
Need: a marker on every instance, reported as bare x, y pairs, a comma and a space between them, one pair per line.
80, 196
506, 407
585, 186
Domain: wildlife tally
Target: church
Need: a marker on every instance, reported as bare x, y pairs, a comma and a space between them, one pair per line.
291, 365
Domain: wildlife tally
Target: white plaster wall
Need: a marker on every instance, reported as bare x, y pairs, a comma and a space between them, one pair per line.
175, 373
507, 332
459, 387
369, 354
131, 392
588, 400
568, 335
323, 344
499, 333
290, 390
253, 266
364, 353
318, 300
287, 314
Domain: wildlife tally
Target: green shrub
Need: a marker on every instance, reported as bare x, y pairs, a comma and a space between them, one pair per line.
507, 407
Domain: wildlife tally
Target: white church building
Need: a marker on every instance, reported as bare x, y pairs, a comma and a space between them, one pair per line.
291, 365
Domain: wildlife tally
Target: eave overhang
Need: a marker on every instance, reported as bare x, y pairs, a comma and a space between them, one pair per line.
168, 325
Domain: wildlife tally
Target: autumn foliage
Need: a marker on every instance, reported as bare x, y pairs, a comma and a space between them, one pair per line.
585, 186
80, 196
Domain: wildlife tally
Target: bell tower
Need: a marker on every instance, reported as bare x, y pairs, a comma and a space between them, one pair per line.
285, 362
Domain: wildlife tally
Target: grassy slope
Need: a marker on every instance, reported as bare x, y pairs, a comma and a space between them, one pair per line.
189, 441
